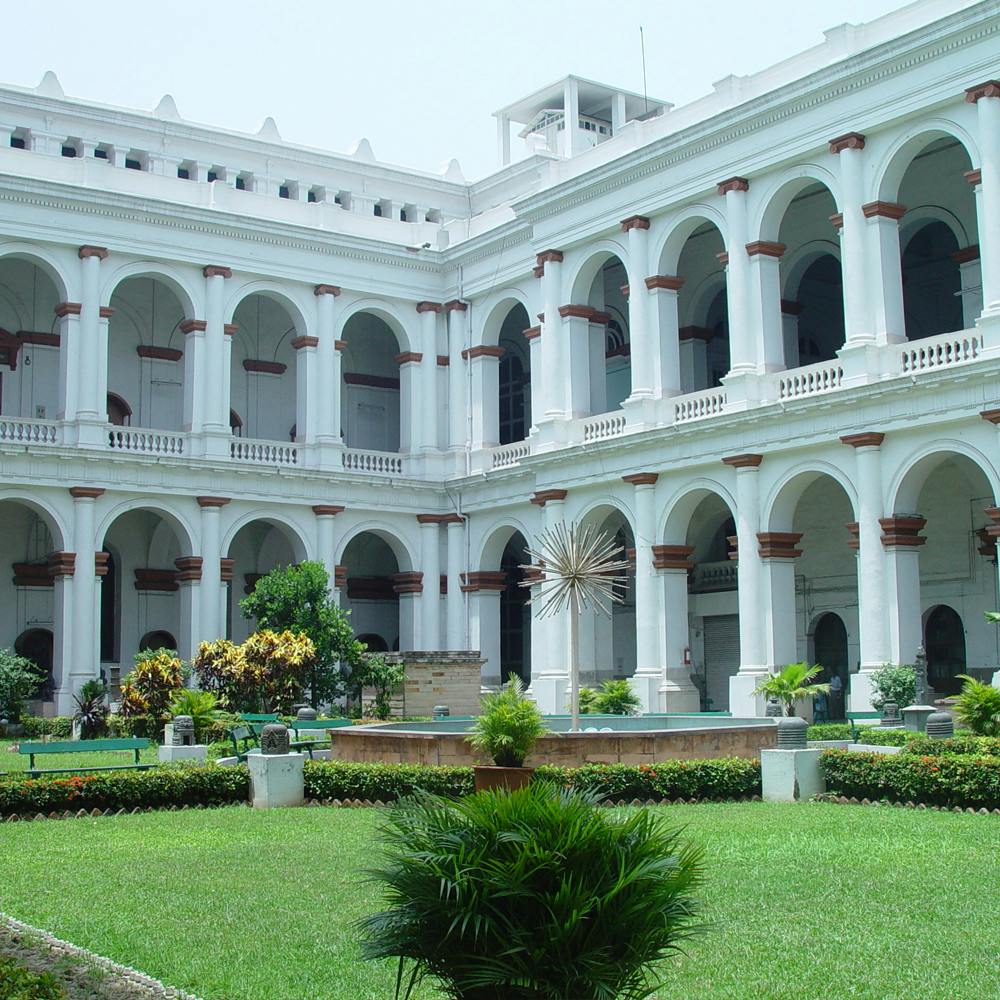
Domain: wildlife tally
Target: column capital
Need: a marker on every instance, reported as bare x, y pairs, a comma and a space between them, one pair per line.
340, 577
89, 251
746, 461
101, 560
407, 357
883, 210
673, 557
634, 222
838, 220
966, 254
326, 290
973, 177
188, 568
327, 510
778, 544
408, 583
217, 271
672, 282
105, 312
226, 567
456, 305
732, 184
850, 140
431, 518
548, 257
453, 519
429, 307
85, 492
213, 501
642, 478
68, 309
301, 342
193, 326
532, 332
991, 88
474, 582
765, 248
61, 563
854, 535
577, 312
993, 416
482, 351
541, 497
229, 329
902, 531
866, 439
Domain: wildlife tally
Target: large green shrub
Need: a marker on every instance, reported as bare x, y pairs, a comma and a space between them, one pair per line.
508, 726
614, 697
19, 680
960, 745
383, 782
885, 736
59, 727
531, 895
932, 780
201, 706
978, 706
893, 682
719, 779
384, 676
19, 983
178, 785
830, 731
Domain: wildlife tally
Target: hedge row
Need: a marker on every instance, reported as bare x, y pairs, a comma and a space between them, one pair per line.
383, 782
932, 780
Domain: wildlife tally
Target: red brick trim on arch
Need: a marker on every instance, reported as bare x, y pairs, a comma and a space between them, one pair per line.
230, 329
883, 210
851, 140
105, 312
541, 497
101, 560
474, 582
68, 309
159, 353
642, 478
407, 357
973, 176
188, 568
991, 88
482, 351
327, 510
576, 311
301, 342
226, 567
429, 307
408, 583
532, 332
673, 557
838, 220
213, 501
765, 248
747, 461
193, 326
89, 251
902, 531
215, 271
61, 563
867, 439
779, 544
733, 184
85, 492
634, 222
669, 281
326, 290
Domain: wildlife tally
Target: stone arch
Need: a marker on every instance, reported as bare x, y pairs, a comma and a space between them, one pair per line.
286, 525
796, 263
183, 529
289, 301
912, 474
680, 507
173, 278
49, 263
385, 311
590, 264
783, 498
402, 549
781, 192
917, 218
600, 508
892, 166
668, 247
495, 310
56, 524
495, 541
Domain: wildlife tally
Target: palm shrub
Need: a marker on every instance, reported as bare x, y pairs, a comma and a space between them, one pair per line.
531, 895
91, 713
617, 698
978, 706
894, 682
202, 706
509, 725
792, 684
587, 700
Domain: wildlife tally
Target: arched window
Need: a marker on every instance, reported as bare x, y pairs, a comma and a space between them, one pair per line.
375, 643
119, 412
512, 412
944, 641
109, 615
235, 424
515, 647
157, 639
932, 283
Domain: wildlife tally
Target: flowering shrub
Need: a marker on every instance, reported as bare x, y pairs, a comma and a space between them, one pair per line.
933, 780
150, 687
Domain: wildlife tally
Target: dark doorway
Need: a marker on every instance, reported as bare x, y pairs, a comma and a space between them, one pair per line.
515, 648
830, 652
944, 641
36, 645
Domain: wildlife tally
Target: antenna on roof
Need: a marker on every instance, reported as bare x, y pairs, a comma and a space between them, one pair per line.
645, 92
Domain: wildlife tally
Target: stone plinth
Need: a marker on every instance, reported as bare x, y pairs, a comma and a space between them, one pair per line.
790, 775
915, 717
169, 754
276, 780
439, 678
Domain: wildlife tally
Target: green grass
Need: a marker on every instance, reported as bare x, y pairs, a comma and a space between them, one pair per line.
811, 902
12, 762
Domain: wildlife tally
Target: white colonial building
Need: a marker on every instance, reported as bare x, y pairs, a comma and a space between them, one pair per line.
757, 337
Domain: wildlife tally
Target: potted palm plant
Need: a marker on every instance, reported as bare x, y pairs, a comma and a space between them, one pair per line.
506, 731
792, 684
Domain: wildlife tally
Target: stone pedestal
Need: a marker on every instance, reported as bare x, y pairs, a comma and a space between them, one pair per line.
276, 780
743, 703
790, 775
915, 717
169, 754
550, 692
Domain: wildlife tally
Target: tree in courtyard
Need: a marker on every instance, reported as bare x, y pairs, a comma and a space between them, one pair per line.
297, 599
18, 682
792, 684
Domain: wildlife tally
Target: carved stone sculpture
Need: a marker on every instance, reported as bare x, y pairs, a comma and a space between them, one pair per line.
183, 731
274, 739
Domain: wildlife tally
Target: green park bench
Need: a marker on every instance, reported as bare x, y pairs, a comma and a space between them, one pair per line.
257, 721
854, 717
299, 726
33, 750
244, 740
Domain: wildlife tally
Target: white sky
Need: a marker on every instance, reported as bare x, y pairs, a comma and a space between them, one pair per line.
419, 78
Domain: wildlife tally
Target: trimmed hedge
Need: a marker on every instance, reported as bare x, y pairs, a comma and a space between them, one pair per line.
58, 726
965, 781
829, 731
383, 782
716, 780
880, 736
964, 744
167, 785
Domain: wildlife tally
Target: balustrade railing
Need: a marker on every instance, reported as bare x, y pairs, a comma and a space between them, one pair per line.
714, 576
510, 454
810, 380
263, 452
145, 442
13, 430
603, 426
696, 405
385, 463
940, 352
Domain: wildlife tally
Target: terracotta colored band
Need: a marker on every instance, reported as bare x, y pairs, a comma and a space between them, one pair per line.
188, 568
765, 248
779, 544
482, 351
68, 309
542, 497
838, 220
326, 510
867, 439
213, 501
852, 140
300, 342
264, 367
668, 281
326, 290
408, 583
733, 184
88, 251
456, 305
641, 478
747, 461
61, 563
193, 326
973, 176
673, 557
214, 271
85, 492
991, 88
159, 353
634, 222
549, 256
532, 332
966, 254
407, 357
429, 307
474, 582
883, 210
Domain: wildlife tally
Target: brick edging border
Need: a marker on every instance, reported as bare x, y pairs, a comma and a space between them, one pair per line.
152, 988
843, 800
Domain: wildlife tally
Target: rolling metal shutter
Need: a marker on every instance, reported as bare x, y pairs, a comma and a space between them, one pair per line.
722, 657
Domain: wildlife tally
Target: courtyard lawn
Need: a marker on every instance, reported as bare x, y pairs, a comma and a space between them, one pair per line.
811, 902
10, 761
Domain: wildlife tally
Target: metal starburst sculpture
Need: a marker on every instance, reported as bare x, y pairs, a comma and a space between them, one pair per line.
579, 570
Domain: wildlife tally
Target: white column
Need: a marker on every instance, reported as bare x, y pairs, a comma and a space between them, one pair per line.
902, 540
578, 336
742, 701
211, 595
430, 564
765, 297
191, 629
572, 138
778, 555
91, 356
484, 363
484, 612
857, 327
306, 389
552, 371
195, 368
455, 629
987, 100
457, 409
63, 649
68, 314
411, 425
663, 292
84, 664
871, 566
883, 266
216, 374
649, 640
328, 368
325, 548
678, 693
641, 340
534, 338
429, 374
742, 358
